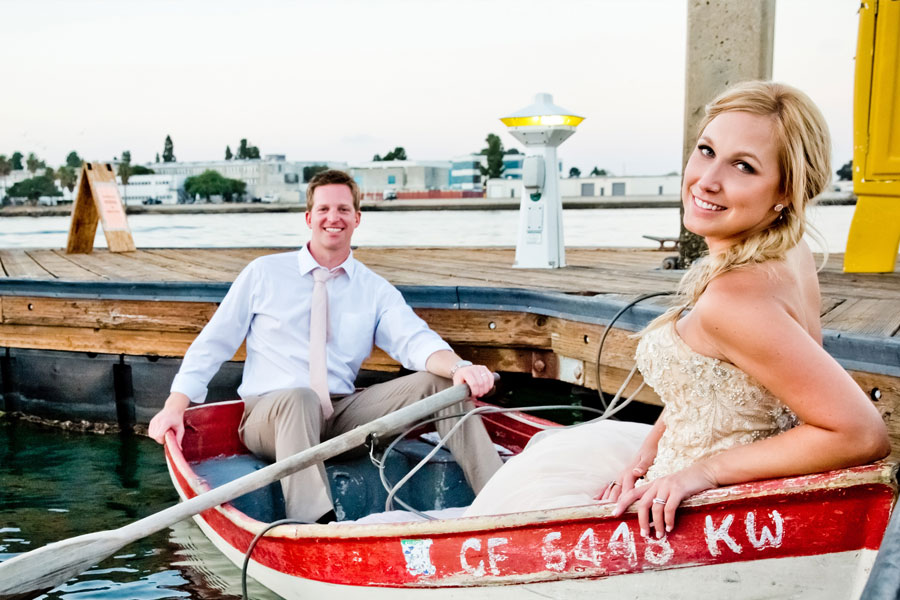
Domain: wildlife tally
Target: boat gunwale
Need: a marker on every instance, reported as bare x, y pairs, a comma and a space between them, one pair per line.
881, 472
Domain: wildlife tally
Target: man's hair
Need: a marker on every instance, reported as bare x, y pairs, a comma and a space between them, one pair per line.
332, 177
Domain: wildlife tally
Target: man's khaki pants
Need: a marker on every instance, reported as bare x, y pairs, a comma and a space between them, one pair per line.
281, 423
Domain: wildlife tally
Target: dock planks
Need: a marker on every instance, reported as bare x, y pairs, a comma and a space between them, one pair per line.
866, 304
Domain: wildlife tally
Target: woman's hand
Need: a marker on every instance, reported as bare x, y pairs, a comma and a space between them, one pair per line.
639, 466
660, 498
625, 481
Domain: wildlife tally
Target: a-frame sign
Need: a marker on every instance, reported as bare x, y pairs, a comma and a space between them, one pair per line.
98, 200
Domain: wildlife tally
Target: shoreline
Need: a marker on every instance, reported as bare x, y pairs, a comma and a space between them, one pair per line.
424, 204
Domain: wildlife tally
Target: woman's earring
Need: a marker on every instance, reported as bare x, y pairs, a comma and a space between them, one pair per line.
779, 207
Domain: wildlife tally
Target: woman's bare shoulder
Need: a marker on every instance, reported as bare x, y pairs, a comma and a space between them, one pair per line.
747, 285
746, 303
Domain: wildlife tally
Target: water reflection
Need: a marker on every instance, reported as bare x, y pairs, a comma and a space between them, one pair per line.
56, 484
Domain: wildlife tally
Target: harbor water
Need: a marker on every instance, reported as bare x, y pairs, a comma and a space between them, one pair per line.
620, 227
58, 484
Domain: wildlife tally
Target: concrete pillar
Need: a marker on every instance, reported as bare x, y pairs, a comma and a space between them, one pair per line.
727, 41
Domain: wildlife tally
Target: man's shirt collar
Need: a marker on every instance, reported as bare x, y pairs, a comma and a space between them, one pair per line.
308, 263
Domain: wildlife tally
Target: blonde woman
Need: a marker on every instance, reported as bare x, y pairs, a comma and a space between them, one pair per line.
749, 392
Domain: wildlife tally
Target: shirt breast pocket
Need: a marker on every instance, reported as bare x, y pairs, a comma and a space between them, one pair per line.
356, 333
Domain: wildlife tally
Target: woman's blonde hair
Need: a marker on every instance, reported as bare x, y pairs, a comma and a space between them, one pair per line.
804, 157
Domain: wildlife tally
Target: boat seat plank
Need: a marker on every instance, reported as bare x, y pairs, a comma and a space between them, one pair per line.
356, 489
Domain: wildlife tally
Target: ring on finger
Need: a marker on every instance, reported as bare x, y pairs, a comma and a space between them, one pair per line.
659, 501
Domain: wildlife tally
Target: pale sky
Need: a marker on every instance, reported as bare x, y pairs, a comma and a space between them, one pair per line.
344, 79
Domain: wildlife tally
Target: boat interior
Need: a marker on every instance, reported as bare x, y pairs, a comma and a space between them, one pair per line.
216, 455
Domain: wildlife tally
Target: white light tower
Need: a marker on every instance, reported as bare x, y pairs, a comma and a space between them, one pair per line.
542, 127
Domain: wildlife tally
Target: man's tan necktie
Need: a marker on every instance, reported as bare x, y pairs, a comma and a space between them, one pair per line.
318, 333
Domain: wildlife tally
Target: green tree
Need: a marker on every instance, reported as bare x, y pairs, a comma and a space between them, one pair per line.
34, 188
212, 183
398, 153
598, 172
125, 167
574, 172
33, 163
235, 190
16, 161
513, 151
376, 158
157, 157
228, 154
168, 154
68, 177
73, 160
141, 170
845, 173
494, 153
310, 171
245, 151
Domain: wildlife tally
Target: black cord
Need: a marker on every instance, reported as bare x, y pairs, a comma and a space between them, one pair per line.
609, 328
250, 548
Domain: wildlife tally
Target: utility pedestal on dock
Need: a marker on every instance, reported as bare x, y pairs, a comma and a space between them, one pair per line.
542, 127
98, 200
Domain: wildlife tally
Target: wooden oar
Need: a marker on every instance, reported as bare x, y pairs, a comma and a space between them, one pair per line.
55, 563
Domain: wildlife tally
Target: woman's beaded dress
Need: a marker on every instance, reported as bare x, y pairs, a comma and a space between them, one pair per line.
710, 406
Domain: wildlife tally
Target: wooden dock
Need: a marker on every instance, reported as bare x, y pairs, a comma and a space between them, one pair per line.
860, 311
855, 303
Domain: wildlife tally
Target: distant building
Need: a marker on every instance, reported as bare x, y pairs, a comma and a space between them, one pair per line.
607, 185
376, 177
465, 173
150, 189
272, 178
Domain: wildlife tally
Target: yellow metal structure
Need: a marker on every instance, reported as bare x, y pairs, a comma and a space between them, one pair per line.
875, 231
570, 120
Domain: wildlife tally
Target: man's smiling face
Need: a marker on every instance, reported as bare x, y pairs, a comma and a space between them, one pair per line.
332, 219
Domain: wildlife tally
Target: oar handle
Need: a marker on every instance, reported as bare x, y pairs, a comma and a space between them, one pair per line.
383, 426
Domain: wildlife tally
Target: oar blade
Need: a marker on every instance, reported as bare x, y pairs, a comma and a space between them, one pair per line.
54, 564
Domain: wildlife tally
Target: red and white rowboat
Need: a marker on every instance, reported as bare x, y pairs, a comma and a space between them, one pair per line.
814, 536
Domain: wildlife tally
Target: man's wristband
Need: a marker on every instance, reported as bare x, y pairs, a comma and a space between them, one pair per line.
458, 366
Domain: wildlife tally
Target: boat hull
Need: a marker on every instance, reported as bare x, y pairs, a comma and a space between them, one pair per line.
813, 536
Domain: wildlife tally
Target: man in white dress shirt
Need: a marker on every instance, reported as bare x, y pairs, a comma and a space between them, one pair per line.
269, 304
